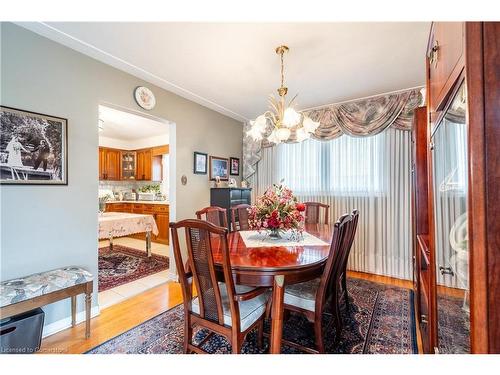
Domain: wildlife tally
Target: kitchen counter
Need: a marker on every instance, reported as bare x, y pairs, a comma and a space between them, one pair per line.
139, 202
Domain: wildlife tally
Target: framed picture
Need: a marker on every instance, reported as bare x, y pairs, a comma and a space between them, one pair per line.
33, 148
235, 166
219, 167
200, 163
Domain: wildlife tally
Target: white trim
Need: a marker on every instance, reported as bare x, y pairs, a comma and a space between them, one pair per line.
359, 99
88, 49
61, 325
172, 275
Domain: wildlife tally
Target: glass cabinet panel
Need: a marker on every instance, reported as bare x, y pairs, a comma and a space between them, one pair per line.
128, 164
449, 159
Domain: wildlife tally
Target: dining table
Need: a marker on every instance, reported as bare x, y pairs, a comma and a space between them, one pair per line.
260, 261
120, 224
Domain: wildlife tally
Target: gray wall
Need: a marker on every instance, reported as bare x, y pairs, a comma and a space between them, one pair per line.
45, 227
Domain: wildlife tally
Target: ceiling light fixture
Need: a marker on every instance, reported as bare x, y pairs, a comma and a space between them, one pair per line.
283, 118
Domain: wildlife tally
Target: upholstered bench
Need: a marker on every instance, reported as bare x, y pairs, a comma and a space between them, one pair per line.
29, 292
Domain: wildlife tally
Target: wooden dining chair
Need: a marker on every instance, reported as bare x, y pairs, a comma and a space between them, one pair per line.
220, 306
239, 217
310, 298
313, 212
213, 214
345, 258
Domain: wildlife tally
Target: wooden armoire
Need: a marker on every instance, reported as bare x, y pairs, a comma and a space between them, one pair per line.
456, 191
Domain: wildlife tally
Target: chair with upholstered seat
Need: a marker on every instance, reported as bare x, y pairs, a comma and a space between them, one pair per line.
312, 297
239, 217
213, 214
220, 306
345, 258
313, 209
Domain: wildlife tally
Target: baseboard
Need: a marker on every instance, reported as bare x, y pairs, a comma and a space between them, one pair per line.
65, 323
172, 276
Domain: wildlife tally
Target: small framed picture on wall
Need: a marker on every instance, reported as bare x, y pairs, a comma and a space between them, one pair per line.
33, 148
200, 163
235, 166
219, 167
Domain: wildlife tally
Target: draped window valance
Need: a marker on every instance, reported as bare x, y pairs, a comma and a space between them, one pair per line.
359, 118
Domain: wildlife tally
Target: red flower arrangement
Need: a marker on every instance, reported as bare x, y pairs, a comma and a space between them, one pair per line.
278, 210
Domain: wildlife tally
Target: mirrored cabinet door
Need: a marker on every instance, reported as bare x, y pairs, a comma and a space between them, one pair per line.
449, 161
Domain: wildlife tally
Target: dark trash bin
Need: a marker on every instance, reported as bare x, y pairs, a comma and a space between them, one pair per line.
22, 334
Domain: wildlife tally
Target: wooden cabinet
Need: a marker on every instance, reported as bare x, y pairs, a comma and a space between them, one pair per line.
109, 164
458, 262
144, 165
128, 165
445, 52
160, 213
102, 168
117, 164
422, 266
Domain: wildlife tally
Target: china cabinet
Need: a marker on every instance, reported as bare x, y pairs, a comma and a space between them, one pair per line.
455, 191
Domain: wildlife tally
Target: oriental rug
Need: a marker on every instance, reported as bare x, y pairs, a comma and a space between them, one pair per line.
381, 320
124, 264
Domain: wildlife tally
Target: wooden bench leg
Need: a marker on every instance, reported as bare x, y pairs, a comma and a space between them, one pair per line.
88, 306
73, 311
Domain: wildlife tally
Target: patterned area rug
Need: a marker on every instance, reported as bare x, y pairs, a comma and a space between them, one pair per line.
381, 320
453, 326
124, 264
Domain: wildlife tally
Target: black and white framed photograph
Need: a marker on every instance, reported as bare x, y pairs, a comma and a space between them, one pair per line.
200, 163
33, 148
219, 167
235, 166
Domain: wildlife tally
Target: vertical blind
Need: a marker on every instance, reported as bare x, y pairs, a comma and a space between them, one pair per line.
371, 174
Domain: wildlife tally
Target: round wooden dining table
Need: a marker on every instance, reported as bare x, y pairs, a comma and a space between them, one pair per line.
275, 267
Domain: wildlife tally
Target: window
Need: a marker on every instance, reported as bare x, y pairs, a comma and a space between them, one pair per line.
342, 166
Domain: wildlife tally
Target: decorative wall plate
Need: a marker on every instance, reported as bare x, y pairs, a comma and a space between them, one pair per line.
144, 97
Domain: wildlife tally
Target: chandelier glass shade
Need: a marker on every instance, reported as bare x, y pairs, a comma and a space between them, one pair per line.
282, 122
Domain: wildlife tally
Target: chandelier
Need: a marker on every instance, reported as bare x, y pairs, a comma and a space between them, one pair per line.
282, 120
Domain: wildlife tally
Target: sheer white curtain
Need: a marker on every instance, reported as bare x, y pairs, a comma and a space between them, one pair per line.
371, 174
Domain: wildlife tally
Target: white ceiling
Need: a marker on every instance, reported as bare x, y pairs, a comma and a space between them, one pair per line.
128, 126
232, 67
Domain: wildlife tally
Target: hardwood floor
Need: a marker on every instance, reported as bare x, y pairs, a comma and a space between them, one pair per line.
125, 315
115, 320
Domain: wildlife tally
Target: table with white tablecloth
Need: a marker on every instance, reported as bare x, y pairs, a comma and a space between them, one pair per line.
119, 224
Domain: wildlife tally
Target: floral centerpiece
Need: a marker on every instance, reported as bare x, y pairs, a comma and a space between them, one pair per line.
277, 211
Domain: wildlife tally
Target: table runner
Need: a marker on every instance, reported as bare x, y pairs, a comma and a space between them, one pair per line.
120, 224
253, 238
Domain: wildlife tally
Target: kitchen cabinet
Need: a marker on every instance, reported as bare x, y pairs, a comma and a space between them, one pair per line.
128, 165
144, 165
160, 213
109, 164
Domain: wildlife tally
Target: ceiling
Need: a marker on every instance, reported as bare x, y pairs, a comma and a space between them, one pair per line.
128, 126
232, 67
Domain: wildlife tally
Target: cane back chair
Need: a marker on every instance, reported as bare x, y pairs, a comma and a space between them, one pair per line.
239, 217
221, 307
310, 298
313, 212
213, 214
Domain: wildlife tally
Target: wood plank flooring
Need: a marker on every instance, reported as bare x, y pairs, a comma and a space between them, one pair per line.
125, 315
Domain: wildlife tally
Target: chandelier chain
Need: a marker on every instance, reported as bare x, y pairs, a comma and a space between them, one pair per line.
282, 70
